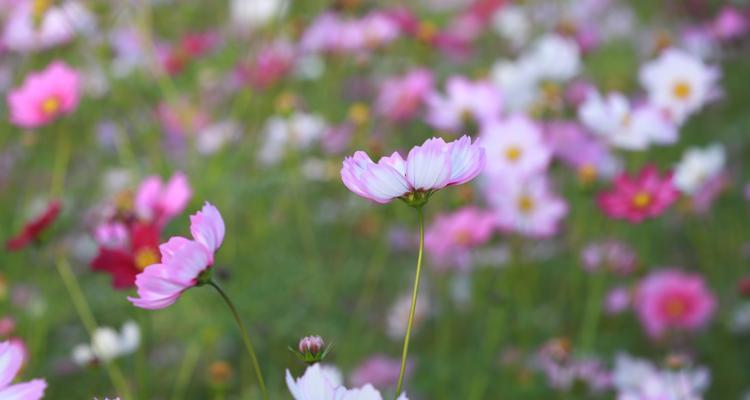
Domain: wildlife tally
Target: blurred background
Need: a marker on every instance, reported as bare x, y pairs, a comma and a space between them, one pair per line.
253, 104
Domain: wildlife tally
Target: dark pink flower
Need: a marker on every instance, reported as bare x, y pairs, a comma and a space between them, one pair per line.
644, 196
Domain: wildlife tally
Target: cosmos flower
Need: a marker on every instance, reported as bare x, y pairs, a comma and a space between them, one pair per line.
182, 261
679, 83
636, 379
379, 370
672, 299
45, 96
515, 147
646, 195
624, 126
400, 98
320, 383
108, 344
451, 237
37, 25
12, 355
427, 169
572, 145
527, 206
697, 167
298, 131
464, 103
159, 202
126, 250
33, 229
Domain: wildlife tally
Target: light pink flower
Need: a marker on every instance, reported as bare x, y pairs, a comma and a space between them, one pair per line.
526, 206
673, 299
614, 255
618, 300
730, 24
427, 168
44, 96
464, 102
324, 383
401, 97
380, 371
451, 237
646, 195
182, 261
515, 147
573, 146
12, 355
55, 25
158, 202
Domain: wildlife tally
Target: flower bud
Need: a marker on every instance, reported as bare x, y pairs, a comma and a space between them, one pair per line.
311, 349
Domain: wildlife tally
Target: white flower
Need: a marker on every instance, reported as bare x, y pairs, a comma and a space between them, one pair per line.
298, 131
250, 14
623, 126
512, 23
555, 58
697, 166
517, 82
679, 82
107, 344
324, 383
213, 137
636, 379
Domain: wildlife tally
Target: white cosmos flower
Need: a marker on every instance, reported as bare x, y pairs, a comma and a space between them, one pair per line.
636, 379
555, 58
512, 24
324, 383
251, 14
108, 344
679, 82
298, 131
625, 126
697, 166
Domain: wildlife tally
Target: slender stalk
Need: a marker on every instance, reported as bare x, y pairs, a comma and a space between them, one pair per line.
84, 313
593, 311
62, 157
186, 370
415, 293
245, 337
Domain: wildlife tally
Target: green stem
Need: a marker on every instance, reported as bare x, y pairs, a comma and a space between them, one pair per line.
245, 337
84, 313
186, 370
62, 157
415, 293
593, 311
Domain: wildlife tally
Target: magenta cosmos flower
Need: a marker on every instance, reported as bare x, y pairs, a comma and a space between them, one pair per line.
450, 239
183, 262
159, 202
427, 168
44, 96
12, 355
637, 198
672, 299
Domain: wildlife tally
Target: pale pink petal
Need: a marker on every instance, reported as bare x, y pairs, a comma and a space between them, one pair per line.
207, 227
428, 166
32, 390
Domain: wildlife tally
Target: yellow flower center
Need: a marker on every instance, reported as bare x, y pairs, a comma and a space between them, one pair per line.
513, 153
51, 105
359, 113
525, 204
675, 308
642, 199
145, 257
626, 120
39, 7
682, 90
587, 173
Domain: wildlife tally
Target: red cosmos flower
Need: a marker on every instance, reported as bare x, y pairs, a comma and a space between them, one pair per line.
637, 198
127, 261
34, 228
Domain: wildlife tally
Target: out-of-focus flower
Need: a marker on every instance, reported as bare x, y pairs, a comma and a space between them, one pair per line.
380, 371
214, 137
646, 195
108, 344
636, 379
270, 65
624, 126
38, 25
618, 300
451, 237
566, 371
615, 256
555, 58
730, 24
512, 23
253, 14
427, 169
679, 83
527, 206
158, 202
45, 96
318, 383
398, 315
181, 118
183, 262
515, 147
33, 230
330, 32
697, 167
465, 103
671, 299
12, 356
174, 58
400, 98
590, 158
298, 131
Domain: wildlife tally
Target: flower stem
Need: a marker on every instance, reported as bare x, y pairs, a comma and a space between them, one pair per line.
592, 312
62, 157
415, 293
245, 337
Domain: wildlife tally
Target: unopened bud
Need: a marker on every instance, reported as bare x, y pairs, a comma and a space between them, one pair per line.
311, 349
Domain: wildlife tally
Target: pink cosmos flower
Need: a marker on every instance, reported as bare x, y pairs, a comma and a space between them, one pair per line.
158, 202
380, 371
400, 98
32, 28
44, 96
527, 206
730, 24
573, 146
182, 261
673, 299
12, 355
515, 147
451, 237
637, 198
464, 102
617, 300
427, 168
